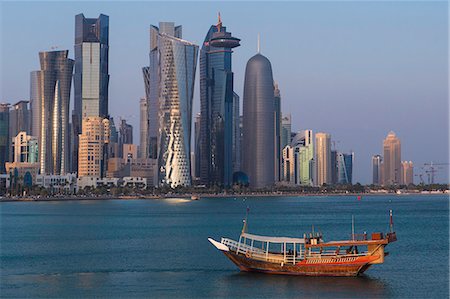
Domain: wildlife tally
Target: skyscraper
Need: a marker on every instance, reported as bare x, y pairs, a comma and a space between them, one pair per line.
323, 158
236, 134
392, 160
4, 136
93, 145
143, 148
19, 119
196, 171
286, 128
407, 173
91, 77
49, 102
152, 80
173, 62
277, 130
125, 133
376, 169
216, 106
258, 114
344, 164
25, 148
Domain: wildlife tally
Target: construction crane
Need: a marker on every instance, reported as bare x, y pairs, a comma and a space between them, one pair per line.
432, 169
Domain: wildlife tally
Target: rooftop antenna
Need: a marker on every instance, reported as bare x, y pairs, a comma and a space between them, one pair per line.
259, 44
219, 22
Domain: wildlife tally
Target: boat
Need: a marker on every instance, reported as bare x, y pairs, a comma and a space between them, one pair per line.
309, 255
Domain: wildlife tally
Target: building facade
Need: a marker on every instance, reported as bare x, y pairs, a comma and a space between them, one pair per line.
391, 160
344, 164
376, 169
50, 102
173, 63
237, 134
323, 159
258, 116
407, 173
216, 106
93, 147
19, 119
25, 148
91, 77
143, 145
277, 131
4, 136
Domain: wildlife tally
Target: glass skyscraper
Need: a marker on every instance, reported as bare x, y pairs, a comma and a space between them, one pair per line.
173, 62
4, 136
344, 164
258, 114
49, 101
277, 129
217, 106
91, 77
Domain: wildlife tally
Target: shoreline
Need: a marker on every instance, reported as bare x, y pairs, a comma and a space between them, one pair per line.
199, 196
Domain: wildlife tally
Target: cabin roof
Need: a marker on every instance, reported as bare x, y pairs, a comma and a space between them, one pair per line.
273, 239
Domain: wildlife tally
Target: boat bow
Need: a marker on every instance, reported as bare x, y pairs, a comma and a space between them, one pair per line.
218, 245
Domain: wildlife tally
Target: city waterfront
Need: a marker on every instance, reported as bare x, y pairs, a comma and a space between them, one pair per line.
159, 248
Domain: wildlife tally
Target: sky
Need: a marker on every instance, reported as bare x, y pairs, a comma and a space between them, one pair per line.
354, 69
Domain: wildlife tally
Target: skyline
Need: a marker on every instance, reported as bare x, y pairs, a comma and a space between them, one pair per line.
352, 81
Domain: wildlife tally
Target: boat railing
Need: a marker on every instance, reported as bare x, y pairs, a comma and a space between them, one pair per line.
262, 255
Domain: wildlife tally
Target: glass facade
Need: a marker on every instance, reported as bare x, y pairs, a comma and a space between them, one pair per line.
217, 106
177, 65
277, 129
50, 102
4, 136
91, 77
344, 168
258, 114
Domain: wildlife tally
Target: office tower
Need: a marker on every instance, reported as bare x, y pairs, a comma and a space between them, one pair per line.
4, 136
286, 128
49, 103
277, 130
376, 169
125, 133
19, 118
236, 134
143, 148
391, 160
25, 148
407, 173
130, 152
196, 170
291, 165
334, 168
344, 165
152, 79
173, 62
258, 114
297, 160
91, 77
216, 106
323, 159
93, 146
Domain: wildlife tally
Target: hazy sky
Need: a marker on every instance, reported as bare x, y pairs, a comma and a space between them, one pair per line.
353, 69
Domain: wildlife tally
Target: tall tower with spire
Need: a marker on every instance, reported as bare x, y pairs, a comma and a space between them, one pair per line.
217, 106
258, 122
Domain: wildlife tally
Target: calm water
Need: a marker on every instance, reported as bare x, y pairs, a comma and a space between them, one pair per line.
159, 248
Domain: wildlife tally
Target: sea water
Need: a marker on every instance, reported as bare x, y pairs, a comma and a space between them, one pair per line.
159, 248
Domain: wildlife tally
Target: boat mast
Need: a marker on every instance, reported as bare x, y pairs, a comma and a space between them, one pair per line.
353, 228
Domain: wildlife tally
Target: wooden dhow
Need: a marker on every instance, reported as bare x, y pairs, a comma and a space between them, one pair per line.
307, 256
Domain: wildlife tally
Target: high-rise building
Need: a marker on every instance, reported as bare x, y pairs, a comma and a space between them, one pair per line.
19, 118
4, 136
286, 128
91, 77
93, 147
391, 160
216, 106
323, 159
344, 164
49, 103
407, 173
125, 133
173, 62
196, 170
143, 148
277, 130
334, 167
25, 148
152, 80
258, 114
376, 169
130, 152
297, 160
236, 134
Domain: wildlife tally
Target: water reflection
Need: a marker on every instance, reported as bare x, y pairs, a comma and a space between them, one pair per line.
296, 286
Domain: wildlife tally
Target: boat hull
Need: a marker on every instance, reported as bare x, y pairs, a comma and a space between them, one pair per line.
303, 268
